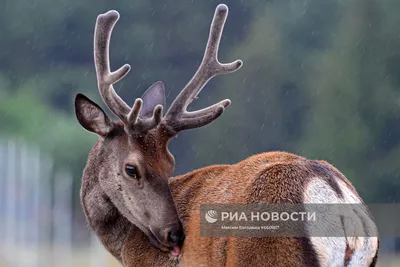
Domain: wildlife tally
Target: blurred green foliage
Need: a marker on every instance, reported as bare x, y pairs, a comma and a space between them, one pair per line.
320, 78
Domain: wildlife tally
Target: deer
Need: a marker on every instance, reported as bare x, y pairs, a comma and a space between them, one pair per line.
146, 217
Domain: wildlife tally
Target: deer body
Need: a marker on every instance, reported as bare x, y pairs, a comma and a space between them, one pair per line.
274, 178
139, 212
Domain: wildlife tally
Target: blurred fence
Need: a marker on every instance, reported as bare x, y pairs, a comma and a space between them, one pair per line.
37, 214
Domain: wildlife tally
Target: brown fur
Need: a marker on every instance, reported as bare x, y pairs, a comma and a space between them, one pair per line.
274, 177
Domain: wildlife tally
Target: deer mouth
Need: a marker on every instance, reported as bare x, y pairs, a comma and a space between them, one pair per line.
156, 242
175, 251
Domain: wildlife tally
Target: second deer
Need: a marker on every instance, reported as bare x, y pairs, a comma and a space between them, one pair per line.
140, 214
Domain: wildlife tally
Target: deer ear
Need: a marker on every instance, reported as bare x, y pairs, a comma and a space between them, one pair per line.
153, 96
91, 116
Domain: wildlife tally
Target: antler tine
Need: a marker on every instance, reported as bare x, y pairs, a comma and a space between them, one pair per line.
129, 116
105, 79
177, 117
137, 125
145, 125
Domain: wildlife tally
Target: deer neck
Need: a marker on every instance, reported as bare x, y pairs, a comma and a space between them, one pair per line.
109, 224
125, 241
188, 189
103, 217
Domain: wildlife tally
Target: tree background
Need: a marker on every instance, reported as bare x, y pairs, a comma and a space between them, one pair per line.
320, 79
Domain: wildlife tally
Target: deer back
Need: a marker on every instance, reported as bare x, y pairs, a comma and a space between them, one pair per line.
274, 178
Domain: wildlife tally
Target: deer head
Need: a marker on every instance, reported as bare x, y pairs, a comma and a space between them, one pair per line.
131, 160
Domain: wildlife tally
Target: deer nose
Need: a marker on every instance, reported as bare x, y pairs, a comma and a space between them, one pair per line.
175, 238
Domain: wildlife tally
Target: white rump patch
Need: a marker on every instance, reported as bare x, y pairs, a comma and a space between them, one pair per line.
331, 251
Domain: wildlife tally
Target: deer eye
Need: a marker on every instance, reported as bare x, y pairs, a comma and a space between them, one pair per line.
131, 171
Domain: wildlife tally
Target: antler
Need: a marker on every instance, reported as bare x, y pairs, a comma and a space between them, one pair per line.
105, 79
177, 117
